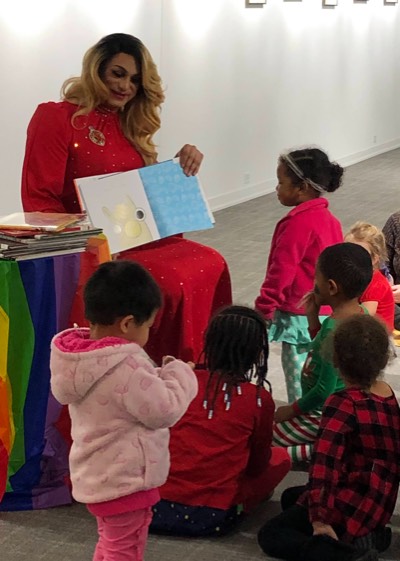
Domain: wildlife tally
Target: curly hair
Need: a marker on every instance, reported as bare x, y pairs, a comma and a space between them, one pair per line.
235, 350
371, 235
140, 119
361, 349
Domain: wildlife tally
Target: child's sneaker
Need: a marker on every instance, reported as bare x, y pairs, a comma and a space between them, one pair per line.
380, 539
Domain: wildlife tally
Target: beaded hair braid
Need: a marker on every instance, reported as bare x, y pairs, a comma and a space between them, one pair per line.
235, 351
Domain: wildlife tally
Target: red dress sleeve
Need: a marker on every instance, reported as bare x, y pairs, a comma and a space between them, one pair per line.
46, 155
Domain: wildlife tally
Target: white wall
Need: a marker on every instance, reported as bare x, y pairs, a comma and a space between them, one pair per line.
242, 84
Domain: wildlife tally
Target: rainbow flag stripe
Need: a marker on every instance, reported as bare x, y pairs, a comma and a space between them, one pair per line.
38, 298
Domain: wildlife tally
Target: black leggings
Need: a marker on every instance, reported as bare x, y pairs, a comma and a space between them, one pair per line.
289, 535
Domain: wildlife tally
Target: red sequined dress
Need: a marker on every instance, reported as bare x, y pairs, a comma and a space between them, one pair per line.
194, 278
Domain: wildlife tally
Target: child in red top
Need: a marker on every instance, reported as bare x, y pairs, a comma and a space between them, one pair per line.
378, 296
304, 176
221, 454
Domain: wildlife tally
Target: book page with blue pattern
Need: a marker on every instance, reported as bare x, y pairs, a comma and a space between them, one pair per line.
177, 201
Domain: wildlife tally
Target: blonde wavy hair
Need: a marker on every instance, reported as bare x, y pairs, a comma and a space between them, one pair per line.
140, 119
371, 235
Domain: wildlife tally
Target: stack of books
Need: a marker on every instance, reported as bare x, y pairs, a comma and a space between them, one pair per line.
28, 235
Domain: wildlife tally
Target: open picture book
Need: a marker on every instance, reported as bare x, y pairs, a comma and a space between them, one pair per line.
139, 206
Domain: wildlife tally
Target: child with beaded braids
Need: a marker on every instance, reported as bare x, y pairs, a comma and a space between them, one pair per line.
222, 462
304, 178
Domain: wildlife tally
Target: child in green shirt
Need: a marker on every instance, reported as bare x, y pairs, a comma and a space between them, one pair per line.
343, 272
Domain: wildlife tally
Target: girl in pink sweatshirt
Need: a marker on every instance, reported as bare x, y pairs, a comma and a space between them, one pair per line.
304, 176
120, 405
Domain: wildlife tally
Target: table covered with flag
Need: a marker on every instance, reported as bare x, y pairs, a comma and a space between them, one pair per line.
38, 298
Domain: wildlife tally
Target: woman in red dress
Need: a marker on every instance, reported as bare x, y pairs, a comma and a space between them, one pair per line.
105, 123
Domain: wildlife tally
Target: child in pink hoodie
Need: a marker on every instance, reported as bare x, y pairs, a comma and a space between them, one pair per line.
304, 178
120, 405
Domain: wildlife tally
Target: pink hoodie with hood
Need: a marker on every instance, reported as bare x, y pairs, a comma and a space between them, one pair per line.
121, 407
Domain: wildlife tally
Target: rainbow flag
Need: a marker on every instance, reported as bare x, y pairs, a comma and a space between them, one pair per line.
38, 298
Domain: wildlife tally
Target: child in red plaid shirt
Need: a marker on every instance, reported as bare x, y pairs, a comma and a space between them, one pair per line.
354, 474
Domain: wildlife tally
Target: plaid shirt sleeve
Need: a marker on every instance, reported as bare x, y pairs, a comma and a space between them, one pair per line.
338, 419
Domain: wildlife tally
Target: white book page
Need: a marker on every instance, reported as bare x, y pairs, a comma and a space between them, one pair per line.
118, 204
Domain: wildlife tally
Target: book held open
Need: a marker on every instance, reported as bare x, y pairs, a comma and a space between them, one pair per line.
139, 206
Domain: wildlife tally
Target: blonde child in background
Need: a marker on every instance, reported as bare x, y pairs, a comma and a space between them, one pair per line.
304, 177
120, 405
378, 296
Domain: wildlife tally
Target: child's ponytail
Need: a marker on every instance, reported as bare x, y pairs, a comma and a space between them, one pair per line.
336, 177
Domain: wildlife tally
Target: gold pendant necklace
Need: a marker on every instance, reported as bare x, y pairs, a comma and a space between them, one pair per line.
97, 137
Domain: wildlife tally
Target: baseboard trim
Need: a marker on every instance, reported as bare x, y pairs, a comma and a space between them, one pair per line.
249, 192
377, 150
242, 195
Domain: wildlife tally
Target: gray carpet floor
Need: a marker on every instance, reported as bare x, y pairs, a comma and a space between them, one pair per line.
242, 234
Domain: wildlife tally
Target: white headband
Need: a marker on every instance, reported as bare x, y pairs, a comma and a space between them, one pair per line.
295, 169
